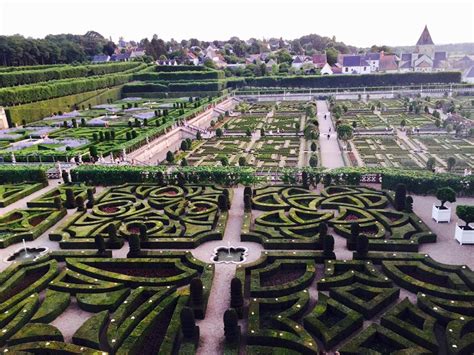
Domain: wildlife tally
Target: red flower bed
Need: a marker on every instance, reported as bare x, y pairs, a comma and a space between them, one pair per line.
133, 229
351, 217
109, 209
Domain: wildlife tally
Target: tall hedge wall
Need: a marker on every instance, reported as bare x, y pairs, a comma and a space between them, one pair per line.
49, 90
345, 81
174, 68
23, 77
215, 85
180, 75
37, 110
20, 173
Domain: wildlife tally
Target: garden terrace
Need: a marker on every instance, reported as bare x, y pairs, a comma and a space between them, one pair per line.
128, 304
268, 151
444, 147
246, 121
386, 151
175, 217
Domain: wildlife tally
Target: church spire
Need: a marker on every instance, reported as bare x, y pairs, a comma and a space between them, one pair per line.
425, 38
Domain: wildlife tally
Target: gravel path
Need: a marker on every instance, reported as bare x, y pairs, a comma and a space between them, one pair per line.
212, 327
331, 155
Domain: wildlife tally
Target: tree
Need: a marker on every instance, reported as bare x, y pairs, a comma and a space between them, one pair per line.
219, 132
134, 245
466, 213
65, 176
184, 146
196, 292
403, 123
99, 244
344, 132
430, 163
231, 326
70, 201
248, 132
247, 203
236, 296
313, 161
314, 147
188, 324
184, 162
112, 232
328, 245
80, 203
224, 161
93, 152
143, 231
198, 136
323, 230
409, 204
242, 161
262, 132
445, 194
362, 244
400, 197
58, 203
169, 157
451, 163
223, 202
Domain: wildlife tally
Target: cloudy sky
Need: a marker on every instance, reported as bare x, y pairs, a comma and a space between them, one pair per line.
360, 23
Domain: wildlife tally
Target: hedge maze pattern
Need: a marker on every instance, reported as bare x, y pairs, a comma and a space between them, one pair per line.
293, 216
302, 303
133, 304
174, 216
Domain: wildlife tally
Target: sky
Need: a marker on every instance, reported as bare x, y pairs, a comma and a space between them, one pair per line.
360, 23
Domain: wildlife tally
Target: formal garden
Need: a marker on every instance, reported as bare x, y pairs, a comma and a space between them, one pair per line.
132, 265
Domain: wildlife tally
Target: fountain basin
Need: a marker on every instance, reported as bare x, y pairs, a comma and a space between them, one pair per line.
229, 255
29, 254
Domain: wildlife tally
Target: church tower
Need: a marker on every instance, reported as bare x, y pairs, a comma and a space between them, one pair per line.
425, 44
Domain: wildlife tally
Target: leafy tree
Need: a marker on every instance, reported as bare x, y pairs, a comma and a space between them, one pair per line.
198, 136
466, 213
93, 152
224, 161
242, 161
445, 194
184, 146
344, 132
314, 147
313, 161
184, 162
430, 163
169, 157
218, 132
80, 203
451, 163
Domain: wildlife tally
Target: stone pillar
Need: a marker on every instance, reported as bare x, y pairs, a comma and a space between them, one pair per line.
3, 118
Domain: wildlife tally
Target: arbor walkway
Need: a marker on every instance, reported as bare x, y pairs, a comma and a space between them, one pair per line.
331, 155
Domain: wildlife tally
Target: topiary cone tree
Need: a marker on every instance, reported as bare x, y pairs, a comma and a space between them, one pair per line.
466, 213
90, 198
248, 191
355, 230
58, 203
323, 230
400, 197
188, 324
236, 296
70, 201
223, 203
197, 298
247, 203
231, 326
328, 245
80, 203
362, 244
100, 244
134, 245
445, 194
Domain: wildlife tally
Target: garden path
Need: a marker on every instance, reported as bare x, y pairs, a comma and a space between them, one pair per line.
21, 203
331, 155
211, 327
